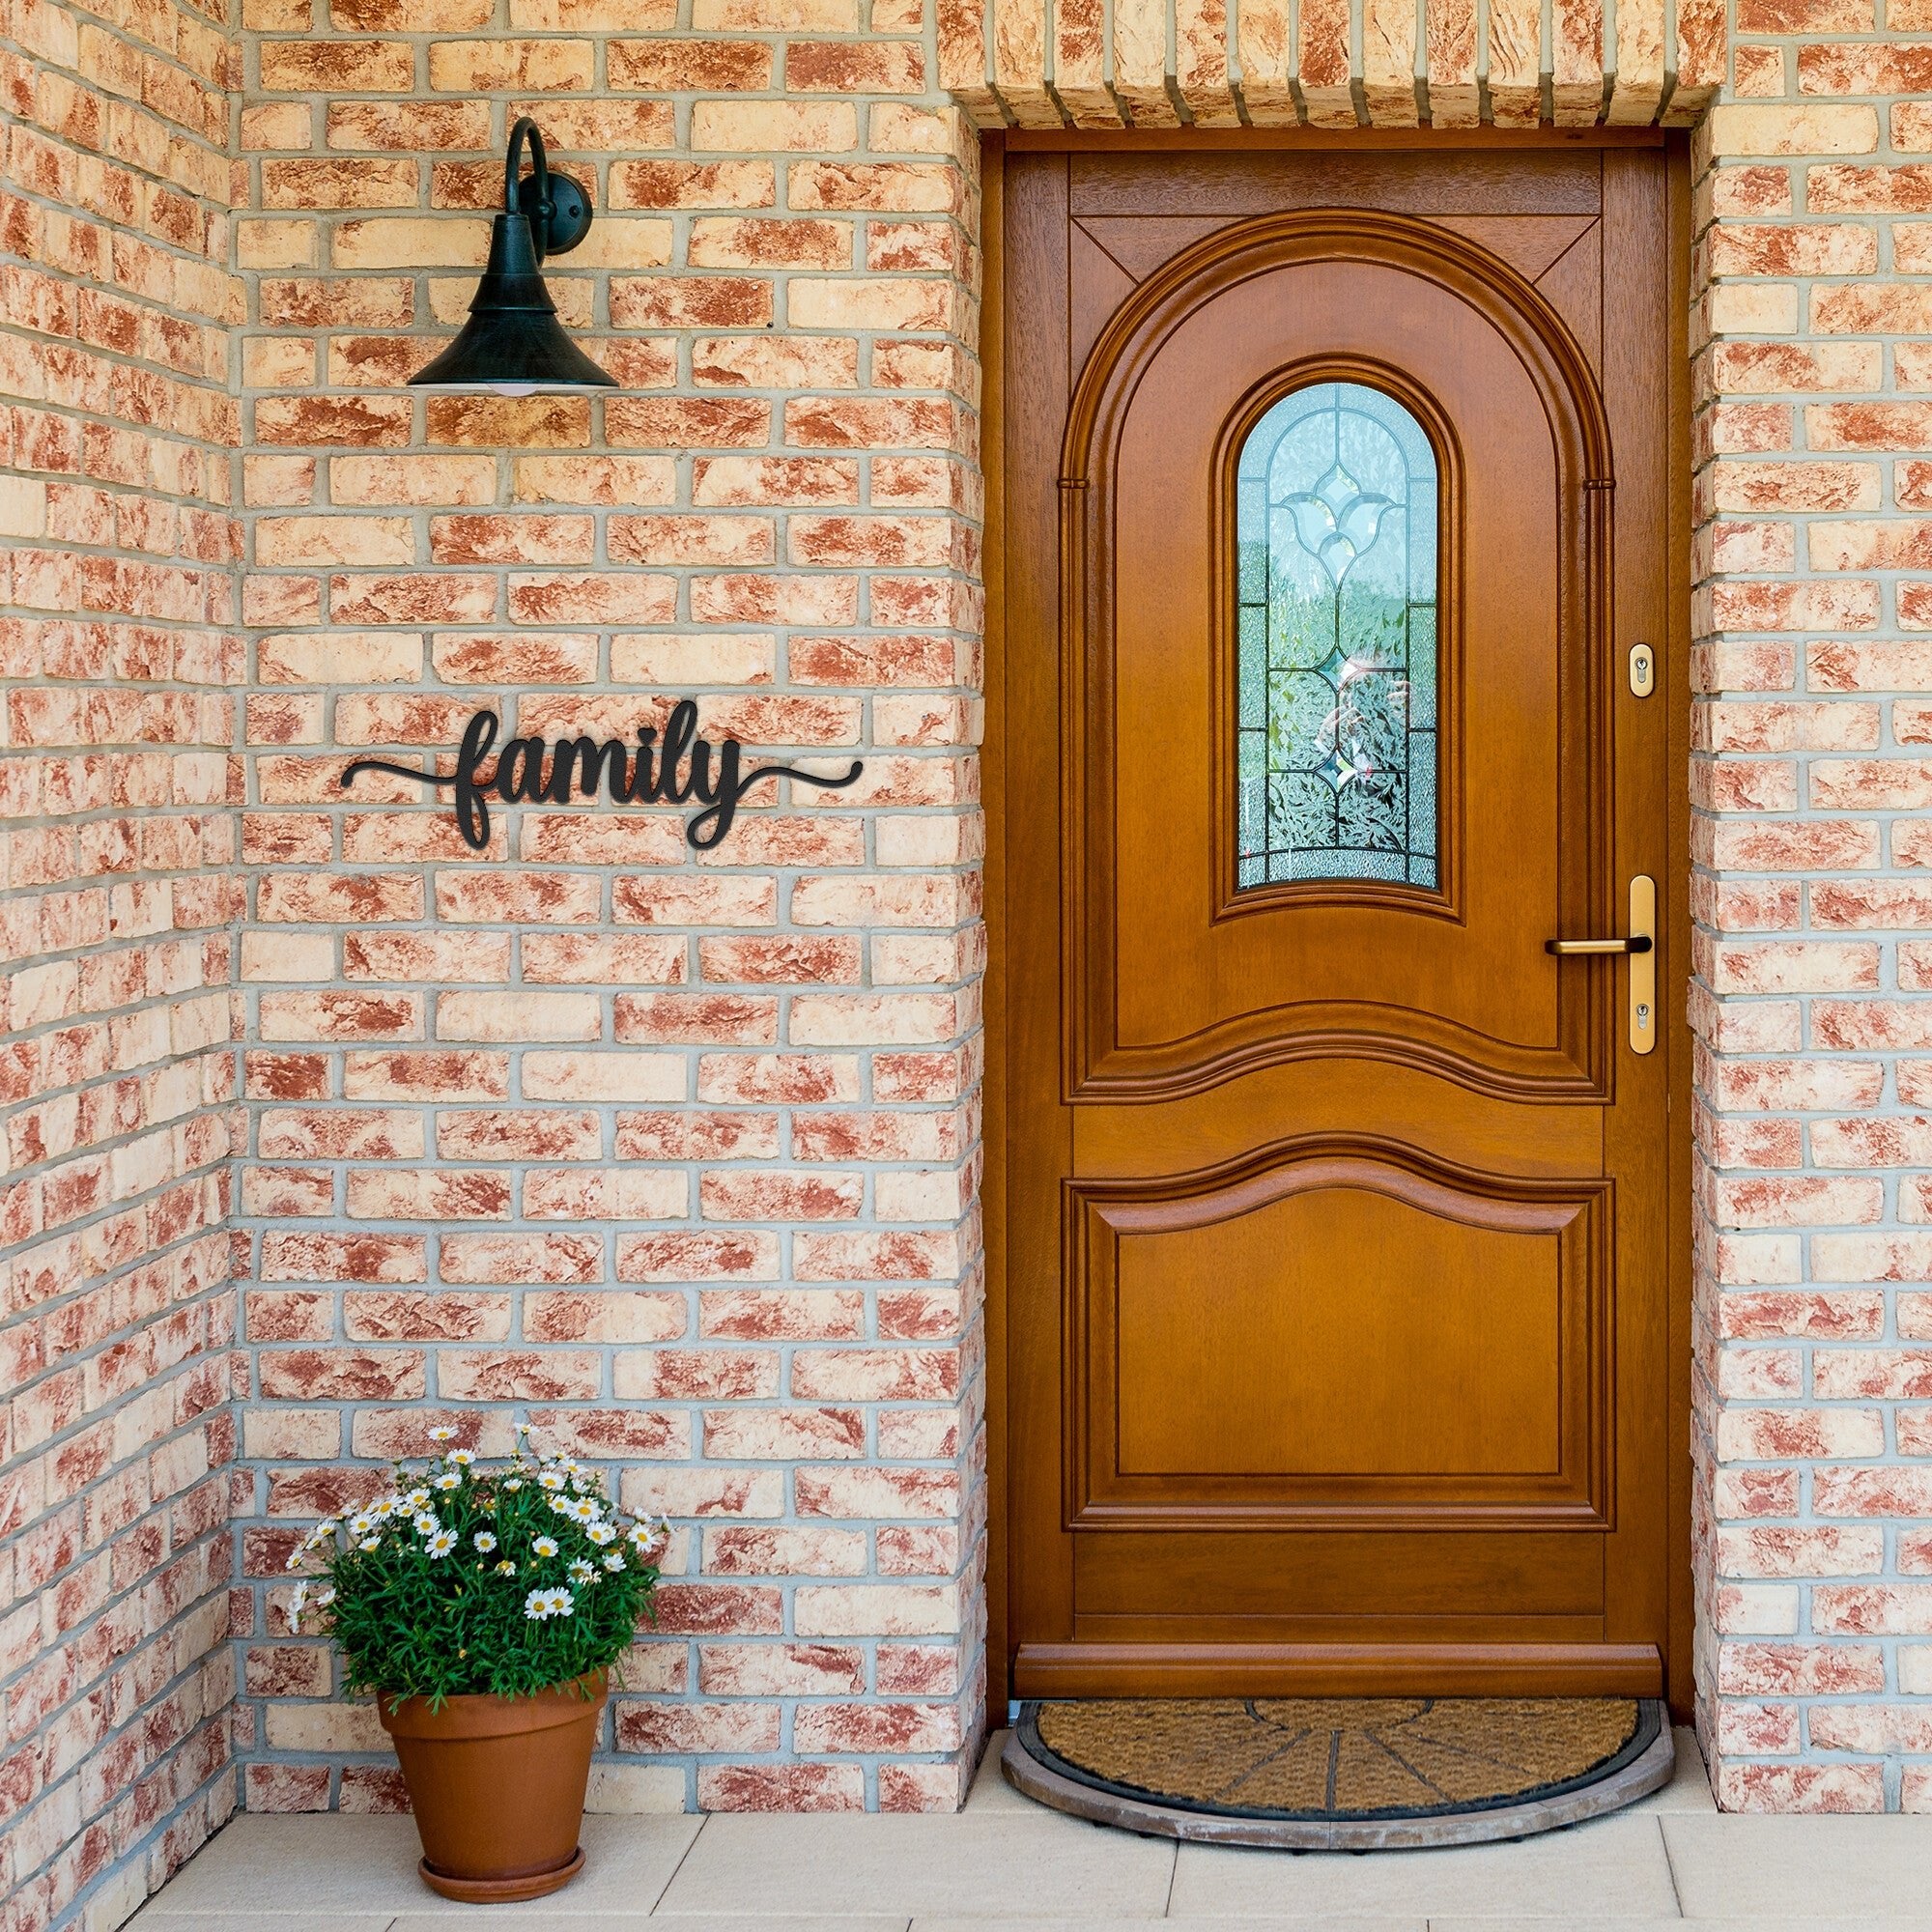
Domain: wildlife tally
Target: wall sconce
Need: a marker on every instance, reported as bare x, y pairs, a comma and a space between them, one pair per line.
513, 343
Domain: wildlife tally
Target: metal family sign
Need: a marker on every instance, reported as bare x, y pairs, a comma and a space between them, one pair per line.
675, 770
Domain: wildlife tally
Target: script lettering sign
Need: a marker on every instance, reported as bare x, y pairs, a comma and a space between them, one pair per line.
674, 770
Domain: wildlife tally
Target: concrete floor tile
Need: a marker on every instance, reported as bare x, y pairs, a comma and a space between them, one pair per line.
1565, 1924
1611, 1868
1570, 1924
1690, 1786
990, 1790
548, 1916
974, 1865
1869, 1869
289, 1867
167, 1920
1327, 1924
292, 1869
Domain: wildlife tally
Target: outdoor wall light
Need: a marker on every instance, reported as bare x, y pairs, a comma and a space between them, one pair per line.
513, 343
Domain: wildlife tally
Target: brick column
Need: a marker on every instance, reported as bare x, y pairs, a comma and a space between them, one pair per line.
1809, 781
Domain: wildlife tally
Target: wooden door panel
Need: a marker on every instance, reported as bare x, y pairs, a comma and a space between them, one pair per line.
1336, 1240
1436, 1352
1179, 982
1323, 1575
1519, 181
1338, 1336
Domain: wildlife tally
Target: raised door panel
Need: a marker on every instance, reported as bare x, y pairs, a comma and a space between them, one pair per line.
1340, 1335
1183, 974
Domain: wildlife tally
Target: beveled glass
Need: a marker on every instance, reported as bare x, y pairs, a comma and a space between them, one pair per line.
1336, 607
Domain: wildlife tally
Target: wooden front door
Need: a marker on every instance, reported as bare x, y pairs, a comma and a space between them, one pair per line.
1339, 1232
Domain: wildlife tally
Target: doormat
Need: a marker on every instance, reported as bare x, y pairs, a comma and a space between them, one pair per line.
1340, 1774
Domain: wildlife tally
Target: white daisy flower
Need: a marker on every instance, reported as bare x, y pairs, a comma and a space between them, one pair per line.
415, 1498
485, 1541
506, 1568
442, 1543
443, 1435
584, 1510
361, 1524
450, 1479
601, 1533
581, 1573
542, 1605
462, 1458
551, 1480
370, 1542
324, 1598
544, 1545
614, 1561
388, 1506
514, 1483
426, 1524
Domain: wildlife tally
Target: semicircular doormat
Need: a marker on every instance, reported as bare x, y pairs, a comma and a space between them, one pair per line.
1341, 1772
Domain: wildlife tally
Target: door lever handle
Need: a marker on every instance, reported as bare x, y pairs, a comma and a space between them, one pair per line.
1570, 949
1639, 946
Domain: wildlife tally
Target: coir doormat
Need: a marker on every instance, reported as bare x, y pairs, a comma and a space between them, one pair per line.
1341, 1772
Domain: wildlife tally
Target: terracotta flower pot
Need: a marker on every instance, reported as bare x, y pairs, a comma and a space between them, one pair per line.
498, 1786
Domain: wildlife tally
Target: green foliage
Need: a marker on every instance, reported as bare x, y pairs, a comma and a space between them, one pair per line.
465, 1580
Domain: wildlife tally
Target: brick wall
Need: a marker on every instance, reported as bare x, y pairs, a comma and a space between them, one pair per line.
677, 1156
1810, 783
117, 902
673, 1157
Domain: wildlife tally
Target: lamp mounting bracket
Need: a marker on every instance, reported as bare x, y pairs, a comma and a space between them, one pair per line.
557, 209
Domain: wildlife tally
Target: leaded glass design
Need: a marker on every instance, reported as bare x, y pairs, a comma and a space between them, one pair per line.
1336, 692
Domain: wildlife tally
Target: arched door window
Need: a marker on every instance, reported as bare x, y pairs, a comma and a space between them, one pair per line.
1336, 524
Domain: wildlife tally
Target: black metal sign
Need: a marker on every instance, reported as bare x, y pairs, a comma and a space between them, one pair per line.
674, 770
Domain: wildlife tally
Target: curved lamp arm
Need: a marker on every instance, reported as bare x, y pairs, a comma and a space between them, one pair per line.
527, 129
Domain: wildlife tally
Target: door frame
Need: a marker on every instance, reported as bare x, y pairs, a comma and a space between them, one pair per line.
1675, 690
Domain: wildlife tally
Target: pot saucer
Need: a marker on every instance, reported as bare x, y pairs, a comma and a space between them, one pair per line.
506, 1891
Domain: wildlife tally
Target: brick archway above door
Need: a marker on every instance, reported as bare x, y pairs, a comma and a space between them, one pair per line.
1149, 64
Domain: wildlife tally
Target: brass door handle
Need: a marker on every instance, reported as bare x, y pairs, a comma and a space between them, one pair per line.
1570, 949
1640, 946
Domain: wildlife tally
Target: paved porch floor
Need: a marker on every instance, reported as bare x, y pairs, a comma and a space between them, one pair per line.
1006, 1866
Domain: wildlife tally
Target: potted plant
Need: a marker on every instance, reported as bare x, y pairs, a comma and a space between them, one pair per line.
484, 1608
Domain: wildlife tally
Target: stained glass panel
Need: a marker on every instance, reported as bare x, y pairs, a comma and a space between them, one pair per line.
1336, 636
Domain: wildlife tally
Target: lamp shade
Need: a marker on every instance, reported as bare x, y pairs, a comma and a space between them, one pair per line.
513, 343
